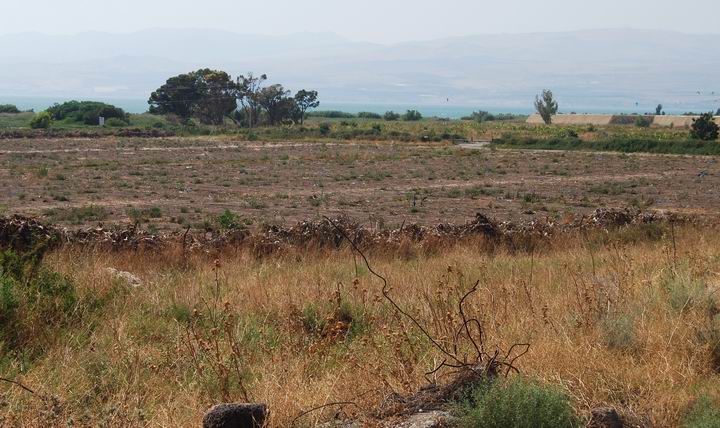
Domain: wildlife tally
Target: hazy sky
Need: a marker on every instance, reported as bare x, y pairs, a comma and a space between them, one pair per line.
367, 20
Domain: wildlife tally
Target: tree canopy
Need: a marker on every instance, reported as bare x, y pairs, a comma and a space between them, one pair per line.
306, 100
213, 95
207, 94
704, 128
546, 106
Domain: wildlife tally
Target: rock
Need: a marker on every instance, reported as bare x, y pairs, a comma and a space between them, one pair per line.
605, 417
341, 424
236, 415
126, 277
434, 419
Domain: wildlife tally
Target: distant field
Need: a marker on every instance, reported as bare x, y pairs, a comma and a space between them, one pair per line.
171, 183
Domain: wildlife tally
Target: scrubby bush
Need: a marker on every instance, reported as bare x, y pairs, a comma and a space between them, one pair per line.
412, 115
619, 332
87, 112
228, 220
518, 403
331, 114
391, 115
324, 129
685, 292
8, 108
704, 128
643, 122
369, 115
115, 122
42, 120
480, 116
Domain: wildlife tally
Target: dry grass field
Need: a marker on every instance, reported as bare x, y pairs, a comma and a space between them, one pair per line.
611, 320
177, 182
624, 317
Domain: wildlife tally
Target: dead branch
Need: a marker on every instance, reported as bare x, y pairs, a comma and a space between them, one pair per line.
16, 383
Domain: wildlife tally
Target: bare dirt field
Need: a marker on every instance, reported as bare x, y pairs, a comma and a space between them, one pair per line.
171, 183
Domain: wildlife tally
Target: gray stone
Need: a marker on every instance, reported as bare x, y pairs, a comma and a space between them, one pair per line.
236, 415
126, 277
605, 417
434, 419
341, 424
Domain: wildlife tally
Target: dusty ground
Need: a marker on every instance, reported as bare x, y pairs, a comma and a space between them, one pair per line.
173, 182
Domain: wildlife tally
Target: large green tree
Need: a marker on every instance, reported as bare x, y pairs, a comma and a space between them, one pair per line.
207, 94
218, 96
546, 106
177, 96
306, 100
248, 92
277, 105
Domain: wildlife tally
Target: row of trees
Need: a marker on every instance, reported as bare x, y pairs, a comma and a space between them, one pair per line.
211, 96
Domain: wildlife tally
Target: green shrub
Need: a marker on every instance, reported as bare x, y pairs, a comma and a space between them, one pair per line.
324, 129
369, 115
332, 114
685, 292
115, 122
228, 220
8, 108
412, 115
643, 122
312, 319
518, 403
42, 120
619, 332
704, 128
391, 116
480, 116
87, 112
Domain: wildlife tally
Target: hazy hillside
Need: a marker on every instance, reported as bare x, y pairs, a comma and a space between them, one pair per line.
611, 69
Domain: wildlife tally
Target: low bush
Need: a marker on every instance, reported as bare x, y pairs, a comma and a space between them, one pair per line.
643, 122
412, 115
685, 292
114, 122
619, 332
704, 128
87, 112
331, 114
228, 220
42, 120
518, 403
391, 116
368, 115
9, 108
480, 116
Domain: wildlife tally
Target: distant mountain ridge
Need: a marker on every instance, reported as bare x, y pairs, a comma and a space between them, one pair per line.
594, 68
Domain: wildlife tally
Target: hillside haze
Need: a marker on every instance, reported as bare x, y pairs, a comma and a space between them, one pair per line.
588, 70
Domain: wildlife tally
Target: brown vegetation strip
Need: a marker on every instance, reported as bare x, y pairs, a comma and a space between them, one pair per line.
23, 233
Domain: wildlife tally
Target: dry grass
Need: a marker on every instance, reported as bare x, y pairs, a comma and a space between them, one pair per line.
628, 325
